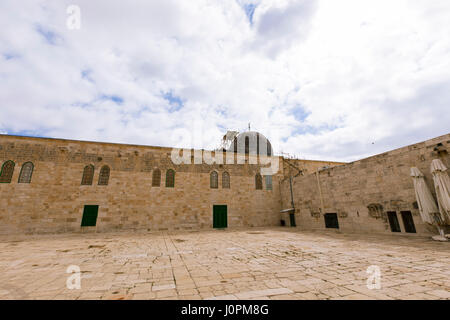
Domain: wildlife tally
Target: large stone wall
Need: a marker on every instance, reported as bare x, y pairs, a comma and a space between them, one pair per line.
292, 167
55, 198
350, 189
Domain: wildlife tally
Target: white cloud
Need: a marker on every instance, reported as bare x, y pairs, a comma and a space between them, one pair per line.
326, 79
281, 24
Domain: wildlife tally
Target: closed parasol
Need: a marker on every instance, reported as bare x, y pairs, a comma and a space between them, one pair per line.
425, 201
442, 187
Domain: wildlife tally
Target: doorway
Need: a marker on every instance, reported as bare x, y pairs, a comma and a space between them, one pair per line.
393, 221
331, 220
292, 219
408, 222
90, 214
220, 216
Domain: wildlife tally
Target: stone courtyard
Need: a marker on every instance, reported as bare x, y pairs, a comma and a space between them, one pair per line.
257, 263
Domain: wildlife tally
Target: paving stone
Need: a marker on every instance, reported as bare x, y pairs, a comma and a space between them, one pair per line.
224, 297
445, 294
166, 293
261, 293
163, 287
319, 266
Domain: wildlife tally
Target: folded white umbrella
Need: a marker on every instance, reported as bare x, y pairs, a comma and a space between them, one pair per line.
442, 187
425, 201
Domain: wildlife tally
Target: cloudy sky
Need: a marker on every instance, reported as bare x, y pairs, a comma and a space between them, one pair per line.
325, 79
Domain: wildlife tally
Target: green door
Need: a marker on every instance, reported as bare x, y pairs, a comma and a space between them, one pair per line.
219, 216
90, 213
408, 221
292, 219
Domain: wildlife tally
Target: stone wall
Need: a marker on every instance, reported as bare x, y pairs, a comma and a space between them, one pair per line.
55, 198
382, 181
292, 166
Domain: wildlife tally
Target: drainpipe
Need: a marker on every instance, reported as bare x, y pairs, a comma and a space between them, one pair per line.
292, 194
320, 192
292, 221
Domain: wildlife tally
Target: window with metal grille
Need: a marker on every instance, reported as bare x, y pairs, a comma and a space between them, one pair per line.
268, 182
258, 182
7, 171
214, 180
26, 172
225, 180
156, 178
103, 177
170, 178
88, 175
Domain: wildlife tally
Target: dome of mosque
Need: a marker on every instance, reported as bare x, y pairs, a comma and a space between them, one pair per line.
251, 142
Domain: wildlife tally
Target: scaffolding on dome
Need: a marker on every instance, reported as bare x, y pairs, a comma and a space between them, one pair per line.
227, 140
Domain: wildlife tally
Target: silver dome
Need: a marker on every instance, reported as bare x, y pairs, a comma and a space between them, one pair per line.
251, 142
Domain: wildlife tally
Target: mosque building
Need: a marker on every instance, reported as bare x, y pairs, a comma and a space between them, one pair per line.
55, 185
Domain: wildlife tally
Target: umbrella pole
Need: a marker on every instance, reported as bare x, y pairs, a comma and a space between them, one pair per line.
441, 236
439, 223
441, 231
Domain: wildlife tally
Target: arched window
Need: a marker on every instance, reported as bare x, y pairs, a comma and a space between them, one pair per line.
88, 175
247, 145
156, 178
214, 180
103, 178
225, 180
258, 182
7, 172
268, 182
170, 178
269, 149
26, 172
